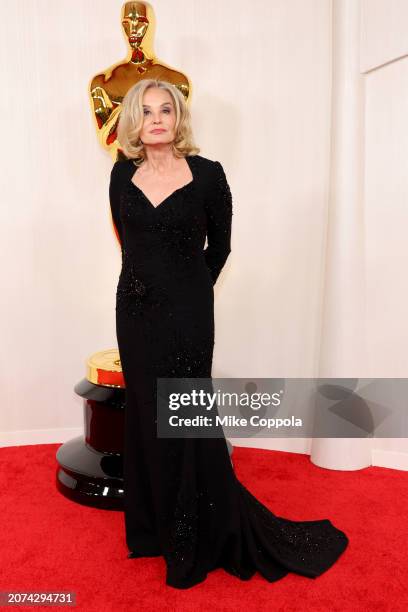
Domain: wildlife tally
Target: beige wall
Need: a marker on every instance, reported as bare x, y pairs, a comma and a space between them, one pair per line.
262, 106
384, 61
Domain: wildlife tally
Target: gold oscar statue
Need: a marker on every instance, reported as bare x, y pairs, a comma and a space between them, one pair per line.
108, 88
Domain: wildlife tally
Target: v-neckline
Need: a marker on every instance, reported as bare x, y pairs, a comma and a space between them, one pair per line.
170, 194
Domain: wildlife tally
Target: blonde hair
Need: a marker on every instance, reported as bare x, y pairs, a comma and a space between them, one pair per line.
132, 116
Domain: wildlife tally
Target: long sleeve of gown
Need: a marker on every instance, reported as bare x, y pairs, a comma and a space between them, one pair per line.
219, 219
114, 198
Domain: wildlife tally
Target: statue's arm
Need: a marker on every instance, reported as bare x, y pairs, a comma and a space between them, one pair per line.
110, 126
102, 104
106, 112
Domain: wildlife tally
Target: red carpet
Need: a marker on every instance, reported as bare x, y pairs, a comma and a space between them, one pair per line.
49, 543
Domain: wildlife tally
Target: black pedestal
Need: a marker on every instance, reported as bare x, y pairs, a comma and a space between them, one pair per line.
90, 467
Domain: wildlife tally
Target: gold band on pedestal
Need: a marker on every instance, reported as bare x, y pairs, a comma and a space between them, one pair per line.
104, 368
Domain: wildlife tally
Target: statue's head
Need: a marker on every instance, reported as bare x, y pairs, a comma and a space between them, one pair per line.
136, 17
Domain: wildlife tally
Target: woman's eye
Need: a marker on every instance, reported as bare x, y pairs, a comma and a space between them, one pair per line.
165, 110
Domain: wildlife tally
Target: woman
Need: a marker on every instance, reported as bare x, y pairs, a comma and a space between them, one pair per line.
182, 498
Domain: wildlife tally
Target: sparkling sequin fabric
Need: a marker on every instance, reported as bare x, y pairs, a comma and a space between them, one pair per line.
182, 498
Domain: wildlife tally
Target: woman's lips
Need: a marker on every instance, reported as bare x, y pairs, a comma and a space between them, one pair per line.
157, 131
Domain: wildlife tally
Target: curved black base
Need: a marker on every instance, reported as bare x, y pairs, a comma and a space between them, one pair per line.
91, 477
88, 476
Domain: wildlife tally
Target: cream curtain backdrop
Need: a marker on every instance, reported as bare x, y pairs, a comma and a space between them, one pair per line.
262, 104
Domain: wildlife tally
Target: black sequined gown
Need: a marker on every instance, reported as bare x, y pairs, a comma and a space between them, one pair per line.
182, 498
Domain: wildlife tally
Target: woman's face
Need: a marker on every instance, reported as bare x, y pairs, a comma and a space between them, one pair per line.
159, 117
